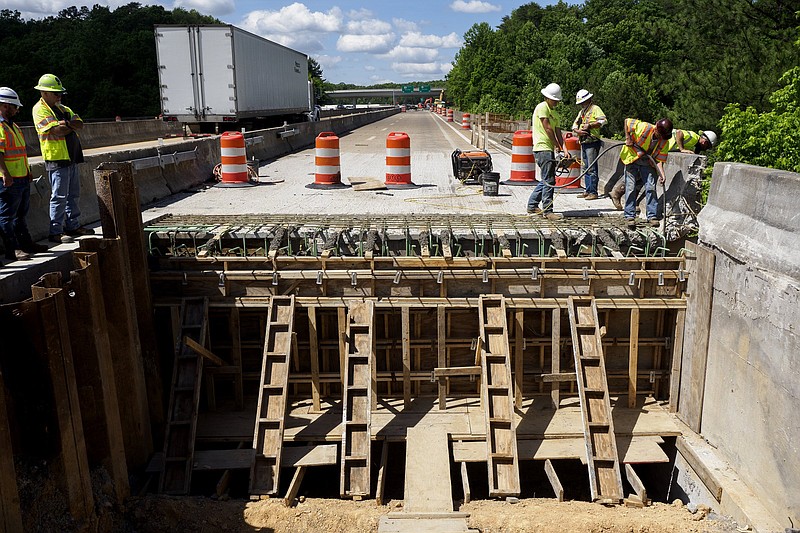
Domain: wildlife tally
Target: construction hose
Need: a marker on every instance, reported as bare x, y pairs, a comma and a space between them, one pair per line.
582, 173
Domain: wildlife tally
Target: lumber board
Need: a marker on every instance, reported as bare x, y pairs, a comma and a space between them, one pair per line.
633, 450
10, 514
406, 340
698, 316
519, 348
555, 364
633, 358
234, 459
697, 464
558, 489
635, 483
427, 479
677, 360
465, 483
382, 473
457, 371
201, 350
314, 354
367, 184
294, 486
441, 350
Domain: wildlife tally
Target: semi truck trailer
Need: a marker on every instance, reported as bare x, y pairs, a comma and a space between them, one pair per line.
220, 76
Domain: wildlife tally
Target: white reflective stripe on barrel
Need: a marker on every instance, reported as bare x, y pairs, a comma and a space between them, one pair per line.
398, 152
397, 169
327, 152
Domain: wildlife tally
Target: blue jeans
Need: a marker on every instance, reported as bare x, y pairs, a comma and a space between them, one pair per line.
14, 204
542, 193
636, 174
65, 184
589, 153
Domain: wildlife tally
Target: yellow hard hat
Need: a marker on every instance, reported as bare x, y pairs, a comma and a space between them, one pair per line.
51, 83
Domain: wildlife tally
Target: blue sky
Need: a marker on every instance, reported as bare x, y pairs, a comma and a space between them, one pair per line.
355, 41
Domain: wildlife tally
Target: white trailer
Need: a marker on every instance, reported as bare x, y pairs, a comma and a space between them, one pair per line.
220, 73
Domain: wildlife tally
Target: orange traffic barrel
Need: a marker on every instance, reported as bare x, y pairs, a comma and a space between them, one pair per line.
568, 177
398, 161
328, 173
234, 161
450, 115
465, 121
523, 164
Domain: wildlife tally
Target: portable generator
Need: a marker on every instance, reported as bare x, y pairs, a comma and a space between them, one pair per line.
469, 166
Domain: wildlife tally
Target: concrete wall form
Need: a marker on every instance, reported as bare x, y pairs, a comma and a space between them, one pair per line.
751, 394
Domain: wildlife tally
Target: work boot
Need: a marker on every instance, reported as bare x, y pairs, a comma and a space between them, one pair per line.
534, 211
583, 195
654, 222
590, 196
552, 217
616, 195
78, 232
631, 222
60, 238
17, 255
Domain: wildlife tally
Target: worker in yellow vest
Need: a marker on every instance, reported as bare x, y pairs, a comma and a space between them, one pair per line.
548, 148
643, 155
56, 125
15, 196
587, 127
692, 142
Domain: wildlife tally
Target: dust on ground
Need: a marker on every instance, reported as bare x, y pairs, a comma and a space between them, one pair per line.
161, 513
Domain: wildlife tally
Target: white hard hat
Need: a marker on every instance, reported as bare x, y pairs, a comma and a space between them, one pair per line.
582, 96
9, 96
553, 92
711, 136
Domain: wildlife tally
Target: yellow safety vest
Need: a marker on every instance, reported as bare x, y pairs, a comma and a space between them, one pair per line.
54, 147
690, 139
642, 135
593, 114
12, 144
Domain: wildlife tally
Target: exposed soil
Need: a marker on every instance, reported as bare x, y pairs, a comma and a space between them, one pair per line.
159, 513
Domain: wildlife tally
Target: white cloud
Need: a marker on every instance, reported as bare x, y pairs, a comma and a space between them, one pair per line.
369, 68
421, 70
368, 27
376, 44
405, 25
328, 61
417, 39
407, 54
360, 14
293, 18
208, 7
473, 6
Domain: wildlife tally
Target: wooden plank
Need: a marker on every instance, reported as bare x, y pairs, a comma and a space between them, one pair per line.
10, 514
234, 329
456, 371
441, 335
362, 183
465, 483
693, 376
677, 358
406, 340
636, 483
558, 489
382, 473
294, 486
555, 360
634, 450
201, 350
318, 455
519, 346
559, 378
633, 358
313, 343
699, 467
427, 479
341, 314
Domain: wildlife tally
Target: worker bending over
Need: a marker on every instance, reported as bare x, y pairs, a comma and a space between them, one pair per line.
692, 142
643, 155
548, 145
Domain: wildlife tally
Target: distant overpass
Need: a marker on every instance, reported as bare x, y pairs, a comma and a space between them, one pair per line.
395, 94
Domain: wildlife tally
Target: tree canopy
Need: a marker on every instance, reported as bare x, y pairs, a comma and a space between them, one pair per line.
682, 59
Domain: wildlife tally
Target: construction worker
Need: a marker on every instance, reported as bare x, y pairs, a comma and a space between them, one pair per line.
587, 127
56, 125
692, 142
548, 146
643, 155
15, 196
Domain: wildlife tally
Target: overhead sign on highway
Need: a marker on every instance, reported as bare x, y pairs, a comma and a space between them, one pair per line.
408, 88
424, 88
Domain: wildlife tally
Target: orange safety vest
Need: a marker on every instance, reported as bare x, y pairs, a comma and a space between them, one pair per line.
642, 135
12, 144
